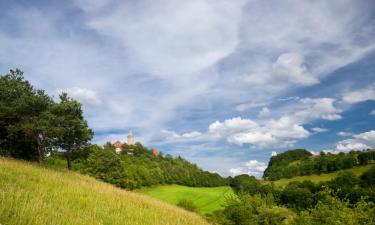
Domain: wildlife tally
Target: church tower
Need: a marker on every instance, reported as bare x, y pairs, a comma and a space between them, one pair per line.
130, 137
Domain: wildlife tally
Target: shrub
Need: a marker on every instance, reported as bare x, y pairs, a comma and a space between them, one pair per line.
188, 205
368, 177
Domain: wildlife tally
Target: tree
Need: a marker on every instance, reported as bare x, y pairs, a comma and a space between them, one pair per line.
24, 117
368, 178
71, 130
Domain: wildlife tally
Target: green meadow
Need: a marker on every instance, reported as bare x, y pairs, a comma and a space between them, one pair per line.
316, 178
207, 199
32, 195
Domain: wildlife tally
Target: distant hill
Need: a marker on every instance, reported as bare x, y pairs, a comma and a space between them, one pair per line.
300, 162
33, 195
316, 178
141, 169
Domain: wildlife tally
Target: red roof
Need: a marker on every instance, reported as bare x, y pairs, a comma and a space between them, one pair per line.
154, 152
117, 144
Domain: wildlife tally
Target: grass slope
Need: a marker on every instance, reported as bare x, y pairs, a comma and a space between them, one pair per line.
207, 199
322, 177
33, 195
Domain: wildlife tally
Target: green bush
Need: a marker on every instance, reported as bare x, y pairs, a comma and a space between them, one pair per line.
368, 178
188, 205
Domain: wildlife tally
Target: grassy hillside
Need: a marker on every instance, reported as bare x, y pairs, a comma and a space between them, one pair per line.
206, 199
322, 177
34, 196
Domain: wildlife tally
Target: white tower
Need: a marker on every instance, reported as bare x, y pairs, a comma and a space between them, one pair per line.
130, 138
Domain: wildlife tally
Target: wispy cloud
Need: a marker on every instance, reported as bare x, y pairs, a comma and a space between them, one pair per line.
168, 70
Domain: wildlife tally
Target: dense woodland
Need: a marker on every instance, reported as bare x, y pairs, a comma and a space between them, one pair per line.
301, 162
139, 170
347, 199
35, 127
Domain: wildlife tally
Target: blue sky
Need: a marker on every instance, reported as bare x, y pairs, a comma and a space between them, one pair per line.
222, 83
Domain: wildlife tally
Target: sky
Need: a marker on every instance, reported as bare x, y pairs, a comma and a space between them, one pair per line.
222, 83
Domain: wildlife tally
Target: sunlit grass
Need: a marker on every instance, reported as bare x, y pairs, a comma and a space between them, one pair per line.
322, 177
33, 195
207, 199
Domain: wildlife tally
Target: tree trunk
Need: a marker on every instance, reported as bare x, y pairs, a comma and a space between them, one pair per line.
69, 161
40, 152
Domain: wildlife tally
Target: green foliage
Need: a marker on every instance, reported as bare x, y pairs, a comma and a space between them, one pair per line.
300, 162
259, 209
250, 185
70, 130
24, 118
255, 209
333, 211
143, 169
297, 196
368, 178
33, 125
188, 205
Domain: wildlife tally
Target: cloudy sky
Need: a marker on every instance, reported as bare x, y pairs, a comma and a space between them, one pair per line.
223, 83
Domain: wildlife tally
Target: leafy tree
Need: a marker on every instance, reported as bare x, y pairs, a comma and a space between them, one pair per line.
368, 178
24, 117
70, 128
297, 197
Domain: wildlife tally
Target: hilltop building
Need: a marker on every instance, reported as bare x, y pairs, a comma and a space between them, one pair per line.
155, 152
130, 138
118, 146
129, 141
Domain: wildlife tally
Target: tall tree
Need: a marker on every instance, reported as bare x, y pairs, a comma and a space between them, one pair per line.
24, 117
70, 128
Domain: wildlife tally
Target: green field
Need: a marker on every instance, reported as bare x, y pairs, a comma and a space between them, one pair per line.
33, 195
322, 177
207, 199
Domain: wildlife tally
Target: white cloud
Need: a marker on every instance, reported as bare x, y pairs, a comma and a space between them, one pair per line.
265, 112
317, 108
85, 96
232, 125
254, 79
358, 142
361, 95
319, 129
291, 66
372, 112
273, 153
171, 37
281, 132
247, 106
171, 135
344, 133
252, 168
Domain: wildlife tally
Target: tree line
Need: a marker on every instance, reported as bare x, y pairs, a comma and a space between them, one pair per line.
32, 124
140, 169
301, 162
347, 199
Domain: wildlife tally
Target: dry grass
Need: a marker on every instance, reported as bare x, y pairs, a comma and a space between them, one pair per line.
33, 195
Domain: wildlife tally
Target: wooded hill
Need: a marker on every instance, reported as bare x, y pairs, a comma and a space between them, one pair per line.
300, 162
140, 169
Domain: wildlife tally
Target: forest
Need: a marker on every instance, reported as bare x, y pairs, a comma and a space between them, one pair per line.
300, 162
